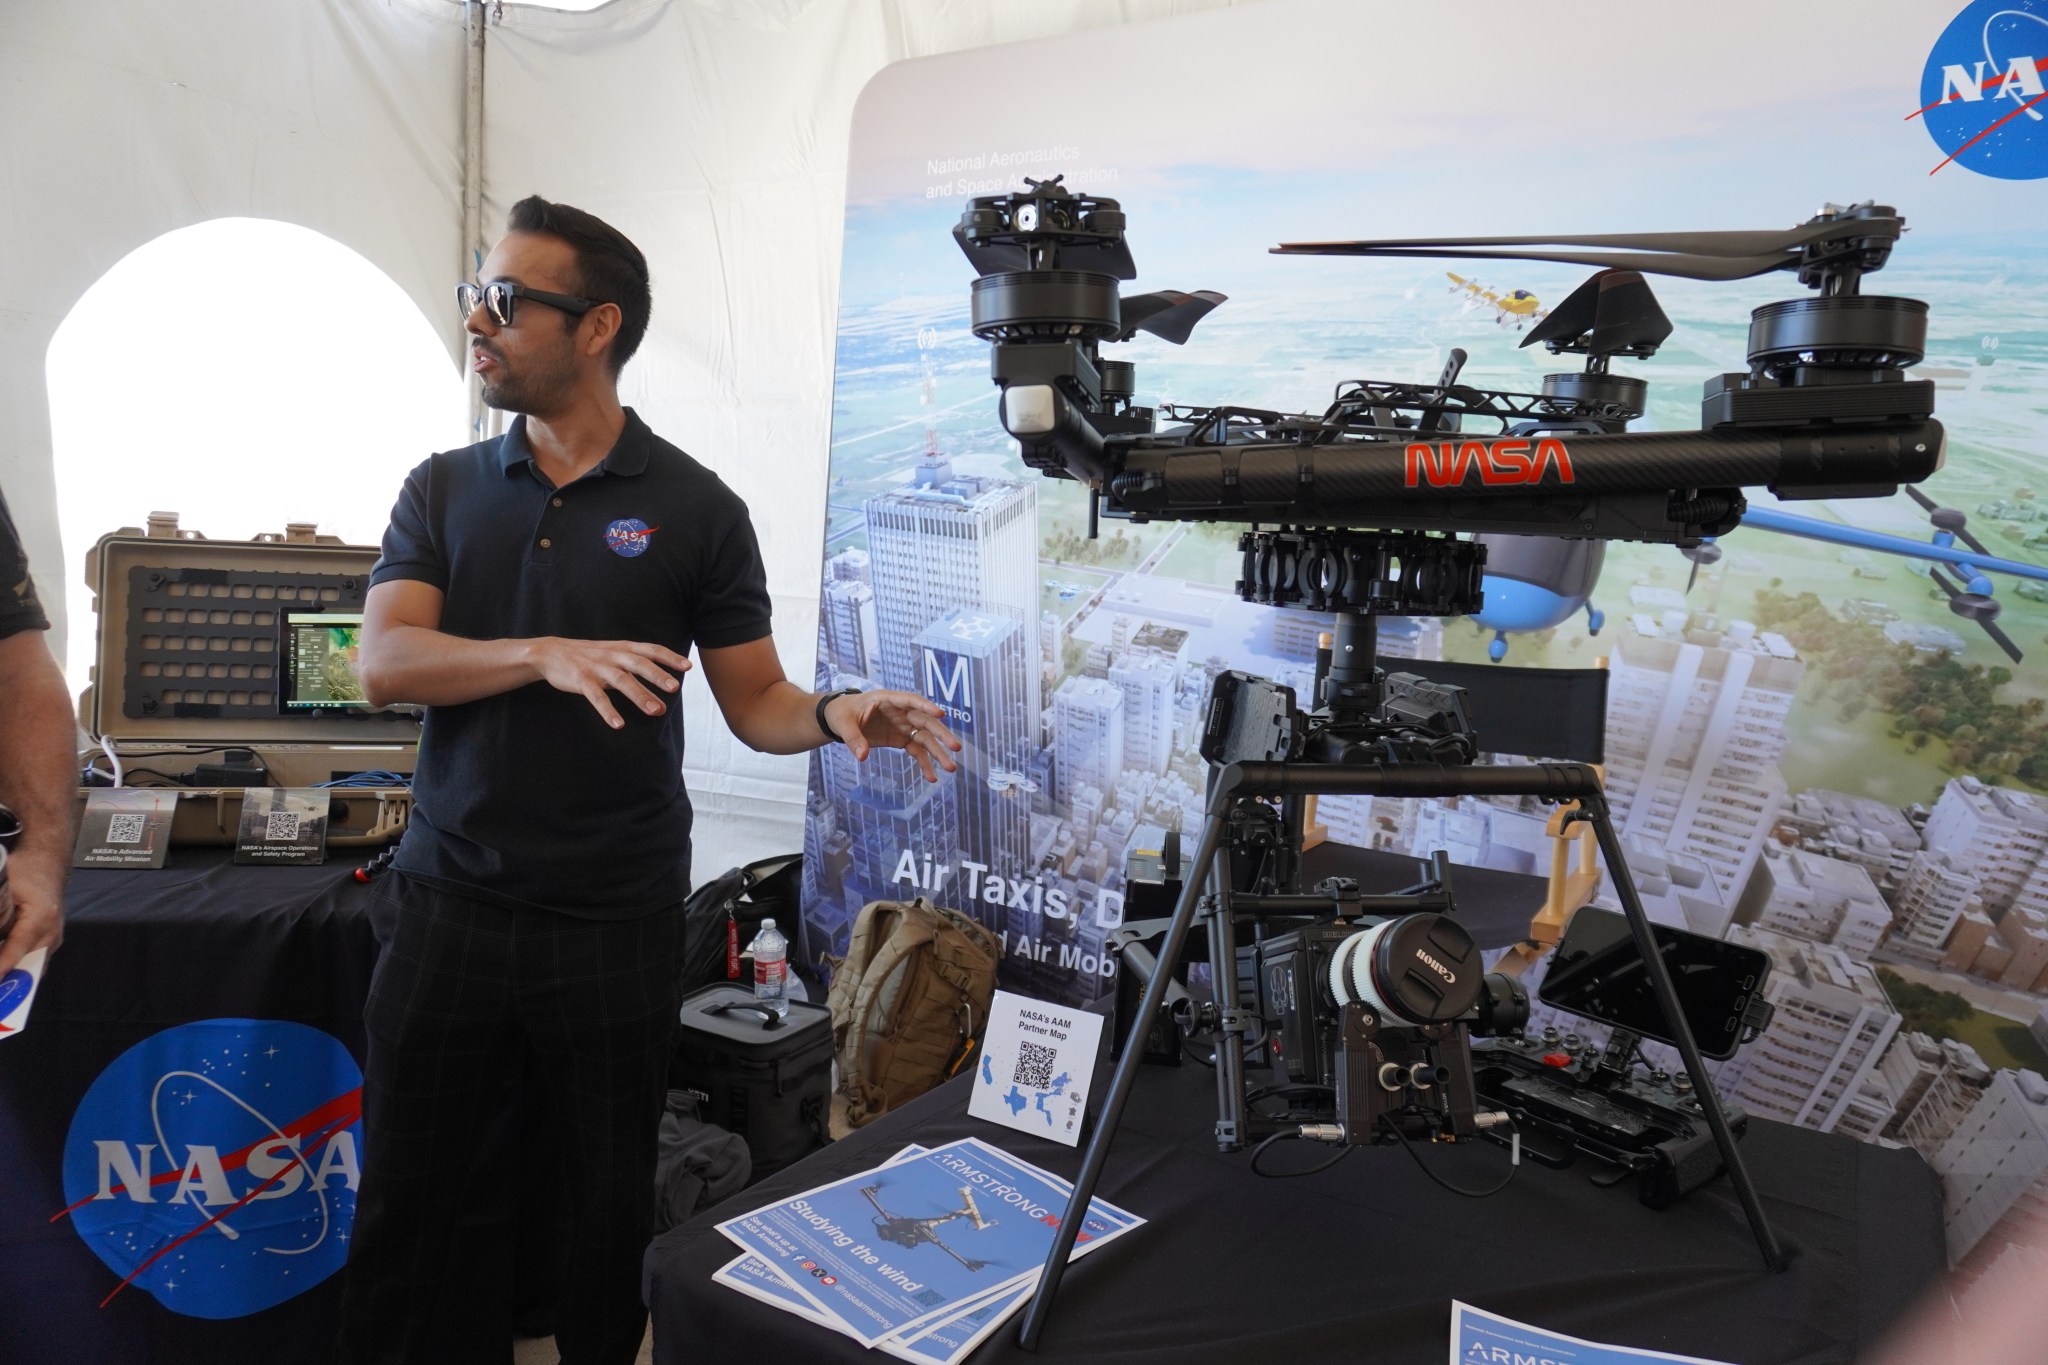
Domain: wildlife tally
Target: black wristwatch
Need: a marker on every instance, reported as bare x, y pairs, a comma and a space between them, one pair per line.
826, 701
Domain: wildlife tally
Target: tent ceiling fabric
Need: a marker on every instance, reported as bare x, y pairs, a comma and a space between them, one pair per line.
122, 120
714, 132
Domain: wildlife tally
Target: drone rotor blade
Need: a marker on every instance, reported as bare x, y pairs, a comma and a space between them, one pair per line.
2002, 640
1693, 255
1692, 578
1167, 313
1764, 242
1689, 267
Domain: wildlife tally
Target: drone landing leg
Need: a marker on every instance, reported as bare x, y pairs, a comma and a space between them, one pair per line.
1233, 1027
1125, 1076
1681, 1031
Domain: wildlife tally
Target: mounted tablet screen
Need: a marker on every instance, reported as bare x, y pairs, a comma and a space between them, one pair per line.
317, 650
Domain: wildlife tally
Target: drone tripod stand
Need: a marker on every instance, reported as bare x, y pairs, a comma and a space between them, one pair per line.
1247, 781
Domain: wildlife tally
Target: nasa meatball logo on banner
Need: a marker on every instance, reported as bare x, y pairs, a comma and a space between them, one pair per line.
214, 1166
1981, 92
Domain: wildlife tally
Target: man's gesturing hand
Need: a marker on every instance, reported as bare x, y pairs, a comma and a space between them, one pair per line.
590, 668
895, 720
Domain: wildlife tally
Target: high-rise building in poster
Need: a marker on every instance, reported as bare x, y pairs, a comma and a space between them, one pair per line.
975, 666
1695, 726
914, 826
1937, 891
1149, 682
947, 541
847, 622
1819, 899
1832, 1023
1999, 836
1994, 1158
1088, 736
1857, 829
1932, 1084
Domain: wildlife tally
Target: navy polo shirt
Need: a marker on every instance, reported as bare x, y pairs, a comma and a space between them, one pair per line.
528, 798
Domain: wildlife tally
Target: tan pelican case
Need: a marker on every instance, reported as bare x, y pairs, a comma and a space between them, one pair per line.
188, 666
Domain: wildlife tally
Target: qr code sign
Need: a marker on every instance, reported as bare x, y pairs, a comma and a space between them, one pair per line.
283, 826
1034, 1066
126, 829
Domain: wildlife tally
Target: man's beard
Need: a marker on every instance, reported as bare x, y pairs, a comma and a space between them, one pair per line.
536, 392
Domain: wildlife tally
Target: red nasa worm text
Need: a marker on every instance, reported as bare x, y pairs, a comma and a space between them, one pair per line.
1450, 464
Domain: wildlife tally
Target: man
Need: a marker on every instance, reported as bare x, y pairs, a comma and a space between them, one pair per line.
38, 761
538, 593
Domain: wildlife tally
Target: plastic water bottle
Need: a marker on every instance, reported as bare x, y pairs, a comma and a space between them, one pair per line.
771, 967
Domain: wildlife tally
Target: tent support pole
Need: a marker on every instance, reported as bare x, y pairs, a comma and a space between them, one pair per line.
473, 182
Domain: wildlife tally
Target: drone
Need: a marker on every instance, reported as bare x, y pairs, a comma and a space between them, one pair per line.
1356, 507
916, 1232
1534, 584
1007, 781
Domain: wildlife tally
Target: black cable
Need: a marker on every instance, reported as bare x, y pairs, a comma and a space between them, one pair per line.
184, 780
1514, 1165
1259, 1151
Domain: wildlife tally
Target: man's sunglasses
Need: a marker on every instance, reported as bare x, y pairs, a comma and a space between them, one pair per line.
497, 298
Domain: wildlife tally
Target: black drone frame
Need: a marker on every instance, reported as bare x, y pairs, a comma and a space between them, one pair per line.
1824, 411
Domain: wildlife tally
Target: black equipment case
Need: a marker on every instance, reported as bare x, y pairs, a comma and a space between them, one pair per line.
769, 1081
187, 666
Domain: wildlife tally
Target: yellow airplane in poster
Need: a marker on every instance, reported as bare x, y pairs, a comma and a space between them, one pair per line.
1518, 306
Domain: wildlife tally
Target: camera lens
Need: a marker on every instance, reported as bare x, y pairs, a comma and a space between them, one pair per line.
1410, 970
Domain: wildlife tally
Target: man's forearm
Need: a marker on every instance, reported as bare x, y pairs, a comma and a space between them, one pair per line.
783, 721
421, 667
38, 750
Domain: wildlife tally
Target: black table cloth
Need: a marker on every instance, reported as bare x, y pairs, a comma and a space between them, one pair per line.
1360, 1263
197, 950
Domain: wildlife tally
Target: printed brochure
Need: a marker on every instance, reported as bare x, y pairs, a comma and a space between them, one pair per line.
891, 1253
1482, 1338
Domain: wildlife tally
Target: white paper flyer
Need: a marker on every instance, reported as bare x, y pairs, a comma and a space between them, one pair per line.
1037, 1060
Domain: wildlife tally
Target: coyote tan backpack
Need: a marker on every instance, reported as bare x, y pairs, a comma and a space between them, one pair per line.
908, 1001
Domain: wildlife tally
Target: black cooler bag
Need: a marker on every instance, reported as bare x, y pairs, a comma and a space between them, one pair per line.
769, 1081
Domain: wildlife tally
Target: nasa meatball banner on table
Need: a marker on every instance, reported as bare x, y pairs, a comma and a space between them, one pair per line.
183, 1122
1763, 679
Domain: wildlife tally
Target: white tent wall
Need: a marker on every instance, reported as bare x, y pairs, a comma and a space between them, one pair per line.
714, 132
122, 120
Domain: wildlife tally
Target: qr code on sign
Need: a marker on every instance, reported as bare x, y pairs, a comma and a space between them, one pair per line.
1034, 1066
126, 829
283, 825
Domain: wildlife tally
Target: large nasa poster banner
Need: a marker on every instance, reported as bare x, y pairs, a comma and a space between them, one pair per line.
1785, 714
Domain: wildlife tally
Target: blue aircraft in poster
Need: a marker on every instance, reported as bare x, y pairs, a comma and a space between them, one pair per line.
1535, 583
